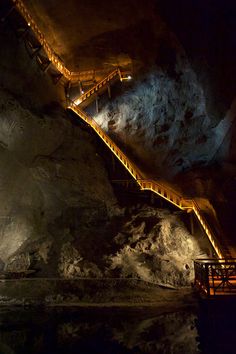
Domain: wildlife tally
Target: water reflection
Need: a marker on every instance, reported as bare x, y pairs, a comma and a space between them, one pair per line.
114, 331
96, 331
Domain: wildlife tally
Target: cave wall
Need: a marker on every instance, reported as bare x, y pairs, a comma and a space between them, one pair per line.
51, 175
161, 120
206, 30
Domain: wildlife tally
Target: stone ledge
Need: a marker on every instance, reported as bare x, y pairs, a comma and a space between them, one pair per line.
89, 292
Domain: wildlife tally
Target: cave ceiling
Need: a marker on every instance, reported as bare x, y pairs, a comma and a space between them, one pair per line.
94, 35
88, 34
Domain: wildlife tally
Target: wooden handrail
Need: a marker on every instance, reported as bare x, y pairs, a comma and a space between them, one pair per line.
208, 230
97, 87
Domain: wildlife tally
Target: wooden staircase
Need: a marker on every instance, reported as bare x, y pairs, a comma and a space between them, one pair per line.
157, 187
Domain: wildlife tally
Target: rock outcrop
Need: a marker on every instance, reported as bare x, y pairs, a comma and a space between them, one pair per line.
162, 121
155, 246
51, 179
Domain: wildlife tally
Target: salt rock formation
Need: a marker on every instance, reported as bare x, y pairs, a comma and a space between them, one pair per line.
155, 246
162, 120
50, 174
150, 244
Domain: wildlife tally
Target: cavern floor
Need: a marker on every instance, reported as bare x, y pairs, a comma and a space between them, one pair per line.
54, 292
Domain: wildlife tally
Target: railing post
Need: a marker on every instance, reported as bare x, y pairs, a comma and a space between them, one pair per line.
96, 103
109, 91
207, 281
195, 272
191, 223
9, 12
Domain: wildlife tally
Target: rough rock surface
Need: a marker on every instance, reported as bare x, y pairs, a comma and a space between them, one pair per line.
207, 34
60, 216
51, 177
155, 246
151, 244
162, 120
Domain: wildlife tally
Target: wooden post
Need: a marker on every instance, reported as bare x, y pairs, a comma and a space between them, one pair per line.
161, 202
3, 19
191, 223
21, 32
207, 280
46, 66
67, 89
152, 199
35, 51
113, 163
56, 78
96, 103
109, 91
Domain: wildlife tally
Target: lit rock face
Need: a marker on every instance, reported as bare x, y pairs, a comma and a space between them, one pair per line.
50, 177
151, 245
155, 246
162, 120
59, 214
71, 264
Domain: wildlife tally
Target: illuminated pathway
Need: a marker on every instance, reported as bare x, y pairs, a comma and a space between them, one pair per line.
159, 188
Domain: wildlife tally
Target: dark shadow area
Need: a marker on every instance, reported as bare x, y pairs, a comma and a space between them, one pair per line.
206, 29
208, 329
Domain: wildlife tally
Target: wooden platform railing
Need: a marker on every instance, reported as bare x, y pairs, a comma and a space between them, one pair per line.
215, 278
154, 186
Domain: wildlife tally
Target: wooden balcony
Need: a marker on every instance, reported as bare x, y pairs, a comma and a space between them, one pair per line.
215, 277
